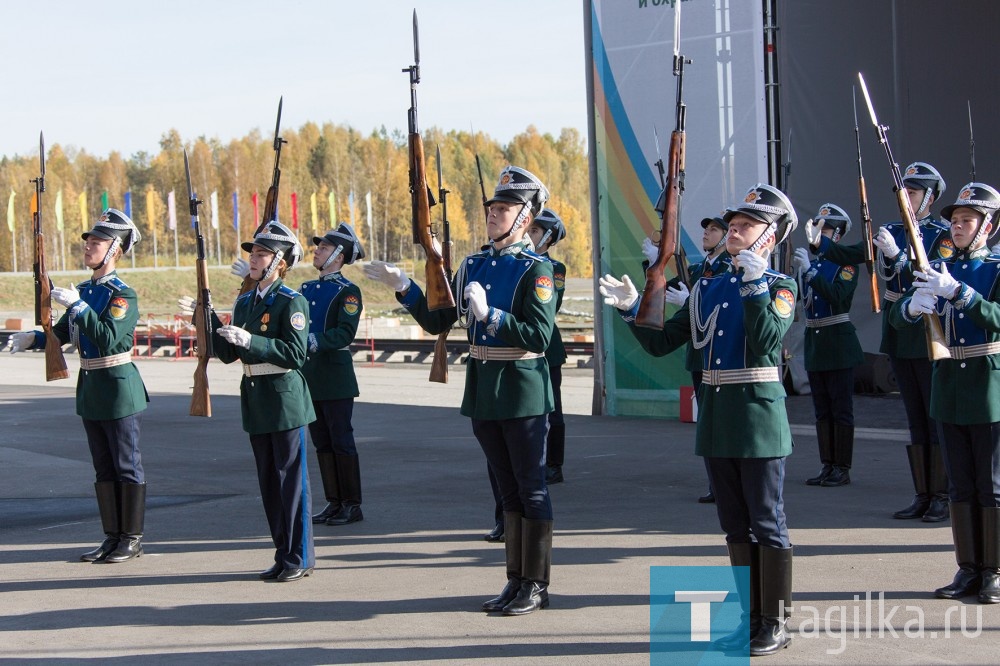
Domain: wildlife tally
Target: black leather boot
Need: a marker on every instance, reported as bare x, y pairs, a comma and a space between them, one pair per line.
496, 535
989, 588
555, 450
824, 435
109, 508
349, 480
536, 563
744, 555
133, 519
843, 454
966, 531
512, 550
775, 601
331, 489
916, 453
937, 479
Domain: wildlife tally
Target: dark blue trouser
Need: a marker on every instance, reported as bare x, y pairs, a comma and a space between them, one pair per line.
515, 450
284, 490
913, 376
332, 431
972, 457
114, 448
833, 395
748, 497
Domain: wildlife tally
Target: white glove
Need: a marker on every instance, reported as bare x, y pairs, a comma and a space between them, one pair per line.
20, 341
814, 231
236, 335
240, 268
922, 302
886, 243
313, 343
939, 283
620, 293
650, 250
800, 259
753, 265
388, 274
65, 296
186, 304
677, 295
476, 295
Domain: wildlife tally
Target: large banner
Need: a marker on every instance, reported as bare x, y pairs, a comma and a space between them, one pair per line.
632, 91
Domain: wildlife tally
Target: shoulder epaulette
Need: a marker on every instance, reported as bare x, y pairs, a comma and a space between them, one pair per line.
245, 295
287, 291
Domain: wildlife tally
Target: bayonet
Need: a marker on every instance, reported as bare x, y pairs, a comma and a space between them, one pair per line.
972, 143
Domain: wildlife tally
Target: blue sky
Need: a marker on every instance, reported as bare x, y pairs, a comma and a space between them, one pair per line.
114, 75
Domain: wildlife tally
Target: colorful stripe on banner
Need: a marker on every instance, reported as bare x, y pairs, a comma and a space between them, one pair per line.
59, 210
128, 204
295, 210
314, 211
84, 216
214, 202
333, 210
10, 211
236, 211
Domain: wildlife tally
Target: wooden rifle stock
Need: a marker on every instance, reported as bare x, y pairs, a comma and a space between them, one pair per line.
55, 362
866, 232
438, 294
937, 348
271, 201
439, 362
652, 306
201, 401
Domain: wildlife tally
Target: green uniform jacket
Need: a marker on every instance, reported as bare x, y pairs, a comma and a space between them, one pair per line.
965, 391
556, 353
750, 319
521, 294
334, 312
830, 292
103, 324
271, 403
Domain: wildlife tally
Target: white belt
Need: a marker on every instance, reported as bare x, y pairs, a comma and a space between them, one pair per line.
828, 321
891, 296
741, 376
105, 361
481, 353
257, 369
975, 350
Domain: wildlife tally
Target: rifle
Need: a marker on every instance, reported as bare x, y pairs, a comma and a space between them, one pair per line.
787, 249
271, 202
439, 294
866, 218
55, 363
972, 143
201, 402
681, 254
937, 348
439, 362
651, 309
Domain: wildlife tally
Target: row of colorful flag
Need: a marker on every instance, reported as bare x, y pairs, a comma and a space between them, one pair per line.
152, 200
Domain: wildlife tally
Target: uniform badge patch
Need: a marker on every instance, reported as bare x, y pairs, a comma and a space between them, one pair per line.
560, 280
946, 249
543, 288
784, 303
118, 307
847, 273
351, 305
298, 321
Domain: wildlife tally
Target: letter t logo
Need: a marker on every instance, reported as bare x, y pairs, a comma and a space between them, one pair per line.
701, 610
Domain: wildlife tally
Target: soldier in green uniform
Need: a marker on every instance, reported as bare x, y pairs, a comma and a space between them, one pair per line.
736, 319
717, 260
832, 348
907, 348
545, 231
334, 312
506, 297
964, 291
100, 320
269, 336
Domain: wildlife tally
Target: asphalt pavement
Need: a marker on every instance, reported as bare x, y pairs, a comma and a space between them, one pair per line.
405, 585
